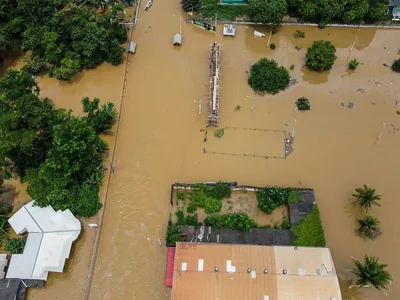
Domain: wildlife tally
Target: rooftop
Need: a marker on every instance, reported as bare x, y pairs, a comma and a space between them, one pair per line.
49, 241
253, 272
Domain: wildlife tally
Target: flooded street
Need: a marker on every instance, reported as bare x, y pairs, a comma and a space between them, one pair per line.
161, 141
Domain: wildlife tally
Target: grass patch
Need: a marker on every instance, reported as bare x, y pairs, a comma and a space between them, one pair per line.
309, 231
210, 8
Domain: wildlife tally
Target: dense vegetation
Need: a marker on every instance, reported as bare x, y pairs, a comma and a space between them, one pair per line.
321, 56
239, 221
309, 231
267, 77
396, 65
5, 211
59, 155
267, 11
303, 104
270, 198
15, 245
191, 5
319, 11
64, 39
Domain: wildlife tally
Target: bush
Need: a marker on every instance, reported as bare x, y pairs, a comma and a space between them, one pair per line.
189, 5
15, 245
321, 56
285, 224
299, 34
353, 64
173, 235
270, 198
192, 207
303, 104
180, 217
219, 191
396, 65
181, 195
272, 46
5, 210
294, 197
267, 77
213, 205
192, 220
100, 118
239, 221
309, 231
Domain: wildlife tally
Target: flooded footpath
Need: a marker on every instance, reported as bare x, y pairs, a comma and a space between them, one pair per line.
161, 141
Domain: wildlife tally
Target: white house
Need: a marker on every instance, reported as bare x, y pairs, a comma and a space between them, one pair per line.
50, 237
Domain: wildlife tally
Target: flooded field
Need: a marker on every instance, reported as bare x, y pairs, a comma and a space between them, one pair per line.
161, 141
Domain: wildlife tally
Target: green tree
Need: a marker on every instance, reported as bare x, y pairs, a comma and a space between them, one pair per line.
321, 56
309, 10
35, 64
377, 11
365, 197
355, 10
267, 77
69, 68
396, 66
267, 11
72, 173
371, 272
25, 121
191, 5
369, 227
100, 118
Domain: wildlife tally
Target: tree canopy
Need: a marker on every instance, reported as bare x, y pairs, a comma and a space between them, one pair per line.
191, 5
396, 65
267, 77
321, 56
65, 41
58, 154
267, 11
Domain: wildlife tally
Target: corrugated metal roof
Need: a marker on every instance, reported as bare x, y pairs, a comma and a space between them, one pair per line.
49, 241
169, 273
241, 272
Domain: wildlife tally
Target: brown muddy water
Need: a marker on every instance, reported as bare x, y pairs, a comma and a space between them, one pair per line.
161, 141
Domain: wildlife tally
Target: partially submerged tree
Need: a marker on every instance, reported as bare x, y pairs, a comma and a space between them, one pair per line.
365, 197
321, 56
369, 227
267, 77
396, 65
267, 11
100, 118
353, 64
370, 272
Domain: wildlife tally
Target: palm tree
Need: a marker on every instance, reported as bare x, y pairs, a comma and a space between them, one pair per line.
369, 227
371, 272
366, 197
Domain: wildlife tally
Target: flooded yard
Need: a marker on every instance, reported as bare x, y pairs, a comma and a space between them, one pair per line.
161, 141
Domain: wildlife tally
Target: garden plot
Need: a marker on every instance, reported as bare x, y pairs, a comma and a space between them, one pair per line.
238, 202
251, 142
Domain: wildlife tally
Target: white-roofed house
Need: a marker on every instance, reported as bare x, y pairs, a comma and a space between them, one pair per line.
50, 237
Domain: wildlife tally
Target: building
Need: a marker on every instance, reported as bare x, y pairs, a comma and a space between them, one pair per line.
229, 30
241, 272
50, 237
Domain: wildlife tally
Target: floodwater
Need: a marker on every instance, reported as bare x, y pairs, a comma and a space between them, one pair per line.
161, 141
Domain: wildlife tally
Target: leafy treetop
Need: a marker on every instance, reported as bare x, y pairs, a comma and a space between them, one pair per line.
321, 56
267, 11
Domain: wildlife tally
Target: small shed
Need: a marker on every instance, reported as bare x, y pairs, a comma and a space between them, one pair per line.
132, 47
229, 30
177, 40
